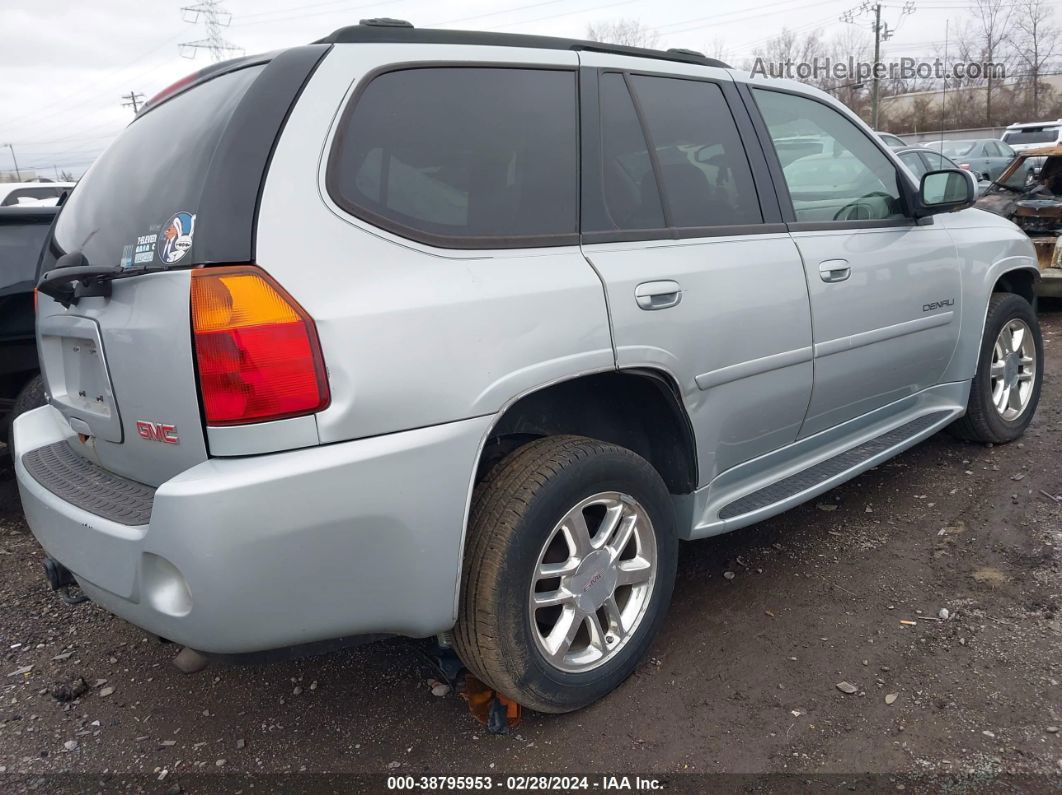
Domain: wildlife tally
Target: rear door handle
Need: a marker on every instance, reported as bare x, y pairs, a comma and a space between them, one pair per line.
658, 295
834, 270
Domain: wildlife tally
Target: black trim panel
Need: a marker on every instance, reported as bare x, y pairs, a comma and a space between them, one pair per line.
829, 226
379, 34
234, 181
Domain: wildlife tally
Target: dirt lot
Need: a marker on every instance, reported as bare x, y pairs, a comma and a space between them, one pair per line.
743, 678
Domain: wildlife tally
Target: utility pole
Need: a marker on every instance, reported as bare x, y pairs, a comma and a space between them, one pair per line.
875, 88
214, 17
135, 98
882, 32
18, 174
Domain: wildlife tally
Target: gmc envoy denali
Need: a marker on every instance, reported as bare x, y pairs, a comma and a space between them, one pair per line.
430, 332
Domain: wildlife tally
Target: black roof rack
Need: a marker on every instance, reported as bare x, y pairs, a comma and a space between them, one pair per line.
397, 31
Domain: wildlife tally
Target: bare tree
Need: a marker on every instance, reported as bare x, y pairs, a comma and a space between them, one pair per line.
628, 32
717, 48
991, 28
1036, 41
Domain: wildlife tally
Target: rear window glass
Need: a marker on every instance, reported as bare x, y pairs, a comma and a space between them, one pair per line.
142, 194
704, 172
463, 156
1048, 136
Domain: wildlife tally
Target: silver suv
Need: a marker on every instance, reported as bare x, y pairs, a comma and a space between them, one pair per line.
427, 332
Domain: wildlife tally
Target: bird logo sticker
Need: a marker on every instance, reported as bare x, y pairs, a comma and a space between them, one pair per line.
176, 238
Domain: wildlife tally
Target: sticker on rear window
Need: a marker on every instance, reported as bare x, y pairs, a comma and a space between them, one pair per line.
176, 237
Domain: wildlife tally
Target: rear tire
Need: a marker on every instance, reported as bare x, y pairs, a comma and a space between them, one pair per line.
30, 397
602, 518
1010, 371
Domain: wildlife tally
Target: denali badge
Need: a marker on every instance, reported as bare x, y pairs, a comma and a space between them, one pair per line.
938, 304
157, 432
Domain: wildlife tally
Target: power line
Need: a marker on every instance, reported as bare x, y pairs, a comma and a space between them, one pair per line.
135, 98
214, 17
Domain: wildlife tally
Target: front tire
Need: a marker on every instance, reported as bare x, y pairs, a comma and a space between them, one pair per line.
568, 572
1010, 371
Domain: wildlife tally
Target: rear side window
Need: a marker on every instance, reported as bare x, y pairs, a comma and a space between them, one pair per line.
632, 200
463, 157
704, 172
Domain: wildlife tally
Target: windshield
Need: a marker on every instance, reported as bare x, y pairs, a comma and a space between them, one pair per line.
1041, 136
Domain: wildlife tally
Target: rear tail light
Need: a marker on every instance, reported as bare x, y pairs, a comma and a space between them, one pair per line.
964, 166
256, 349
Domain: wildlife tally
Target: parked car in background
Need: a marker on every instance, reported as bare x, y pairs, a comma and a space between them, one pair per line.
985, 157
22, 234
32, 193
453, 351
1033, 135
921, 161
1035, 205
892, 141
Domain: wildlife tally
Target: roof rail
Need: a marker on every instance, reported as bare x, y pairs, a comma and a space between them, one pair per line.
398, 31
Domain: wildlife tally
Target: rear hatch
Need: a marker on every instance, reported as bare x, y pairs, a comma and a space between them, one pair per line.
177, 190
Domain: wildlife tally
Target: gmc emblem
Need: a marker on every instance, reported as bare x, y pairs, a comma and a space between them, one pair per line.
157, 432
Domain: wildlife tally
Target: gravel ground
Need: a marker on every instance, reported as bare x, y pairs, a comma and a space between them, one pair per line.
743, 679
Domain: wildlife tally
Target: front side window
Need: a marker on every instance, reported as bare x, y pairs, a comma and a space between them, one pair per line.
463, 156
851, 180
937, 162
704, 172
914, 162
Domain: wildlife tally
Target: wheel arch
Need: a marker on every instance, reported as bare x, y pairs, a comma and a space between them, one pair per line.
640, 409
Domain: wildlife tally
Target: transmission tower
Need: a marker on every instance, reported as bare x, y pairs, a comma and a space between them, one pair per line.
214, 18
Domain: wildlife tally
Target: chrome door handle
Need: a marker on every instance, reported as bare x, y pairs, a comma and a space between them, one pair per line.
658, 295
834, 270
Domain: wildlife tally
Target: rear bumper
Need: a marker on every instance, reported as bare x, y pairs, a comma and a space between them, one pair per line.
249, 554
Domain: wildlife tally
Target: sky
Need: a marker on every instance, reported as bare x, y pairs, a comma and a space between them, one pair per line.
65, 64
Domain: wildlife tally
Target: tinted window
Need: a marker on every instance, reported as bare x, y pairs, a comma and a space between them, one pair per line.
914, 162
632, 200
852, 180
463, 156
20, 248
155, 169
704, 172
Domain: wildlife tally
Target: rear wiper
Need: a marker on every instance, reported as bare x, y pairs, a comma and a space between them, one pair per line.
73, 278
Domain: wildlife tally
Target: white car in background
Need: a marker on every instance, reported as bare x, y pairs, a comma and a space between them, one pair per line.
35, 193
1030, 135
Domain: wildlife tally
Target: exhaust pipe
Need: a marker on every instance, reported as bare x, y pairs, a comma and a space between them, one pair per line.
57, 574
61, 579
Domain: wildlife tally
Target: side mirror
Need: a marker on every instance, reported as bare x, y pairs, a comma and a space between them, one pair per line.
946, 191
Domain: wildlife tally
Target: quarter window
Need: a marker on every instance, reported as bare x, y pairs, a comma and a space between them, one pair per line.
704, 172
850, 180
463, 156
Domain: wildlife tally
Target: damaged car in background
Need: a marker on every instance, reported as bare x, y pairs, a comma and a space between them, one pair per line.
1033, 201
